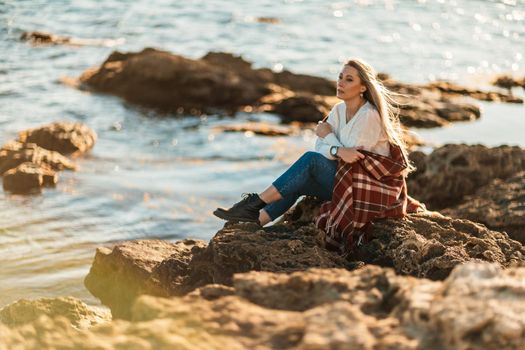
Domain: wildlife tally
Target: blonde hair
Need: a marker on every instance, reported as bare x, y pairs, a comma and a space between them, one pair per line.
383, 100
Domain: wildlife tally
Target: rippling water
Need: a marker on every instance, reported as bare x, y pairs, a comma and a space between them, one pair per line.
153, 176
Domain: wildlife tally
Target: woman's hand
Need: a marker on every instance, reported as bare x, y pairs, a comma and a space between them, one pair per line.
350, 155
323, 129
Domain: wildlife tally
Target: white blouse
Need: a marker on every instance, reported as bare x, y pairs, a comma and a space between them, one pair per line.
364, 129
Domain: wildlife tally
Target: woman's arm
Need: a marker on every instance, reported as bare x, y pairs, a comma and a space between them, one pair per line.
327, 138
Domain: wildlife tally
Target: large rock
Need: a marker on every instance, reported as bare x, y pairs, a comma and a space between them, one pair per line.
450, 172
500, 205
220, 81
62, 137
478, 307
421, 245
425, 245
128, 269
75, 311
159, 79
162, 268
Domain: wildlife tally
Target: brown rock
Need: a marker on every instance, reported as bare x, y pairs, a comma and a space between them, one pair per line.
270, 20
40, 38
500, 205
430, 246
300, 108
63, 137
508, 82
453, 171
169, 82
28, 178
161, 268
15, 153
129, 266
79, 314
305, 83
246, 247
451, 89
260, 128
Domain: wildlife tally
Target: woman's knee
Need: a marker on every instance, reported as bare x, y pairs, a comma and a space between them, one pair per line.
311, 157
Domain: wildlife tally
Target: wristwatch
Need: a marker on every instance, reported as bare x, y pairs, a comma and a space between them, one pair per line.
333, 151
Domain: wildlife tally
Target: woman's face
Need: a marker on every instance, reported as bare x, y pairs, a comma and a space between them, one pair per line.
349, 84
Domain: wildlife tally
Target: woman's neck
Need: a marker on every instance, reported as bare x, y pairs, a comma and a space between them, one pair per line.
352, 106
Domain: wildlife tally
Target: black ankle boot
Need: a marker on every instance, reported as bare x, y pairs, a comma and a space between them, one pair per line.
247, 210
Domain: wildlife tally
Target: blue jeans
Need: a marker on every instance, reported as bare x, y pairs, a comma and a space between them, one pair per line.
312, 175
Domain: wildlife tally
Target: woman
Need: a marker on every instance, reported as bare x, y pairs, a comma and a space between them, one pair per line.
362, 125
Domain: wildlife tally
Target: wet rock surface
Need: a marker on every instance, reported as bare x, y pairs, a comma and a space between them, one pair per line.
499, 205
453, 171
479, 306
224, 82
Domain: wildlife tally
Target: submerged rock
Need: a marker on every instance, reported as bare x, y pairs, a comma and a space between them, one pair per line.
260, 128
44, 38
479, 306
500, 205
28, 178
14, 153
62, 137
450, 172
40, 38
75, 311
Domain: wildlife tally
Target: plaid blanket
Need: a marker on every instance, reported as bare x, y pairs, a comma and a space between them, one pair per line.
370, 188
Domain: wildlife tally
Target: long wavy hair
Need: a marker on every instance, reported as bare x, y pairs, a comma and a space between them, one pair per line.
383, 100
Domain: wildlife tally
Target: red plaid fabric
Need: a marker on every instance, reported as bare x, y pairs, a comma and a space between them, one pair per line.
370, 188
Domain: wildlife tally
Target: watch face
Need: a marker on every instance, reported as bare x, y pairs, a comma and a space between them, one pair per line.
333, 150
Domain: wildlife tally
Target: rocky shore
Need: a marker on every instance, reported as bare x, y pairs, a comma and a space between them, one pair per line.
453, 279
278, 288
427, 281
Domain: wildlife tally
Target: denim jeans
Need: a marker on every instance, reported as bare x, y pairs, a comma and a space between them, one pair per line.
312, 175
